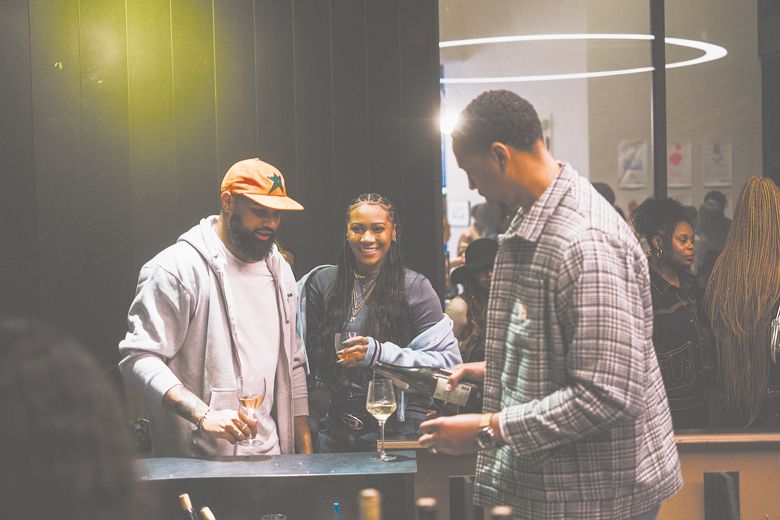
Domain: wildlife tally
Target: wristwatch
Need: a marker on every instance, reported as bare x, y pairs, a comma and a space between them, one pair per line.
486, 437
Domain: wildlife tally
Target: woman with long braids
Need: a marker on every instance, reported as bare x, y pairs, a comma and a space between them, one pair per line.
742, 298
679, 329
395, 314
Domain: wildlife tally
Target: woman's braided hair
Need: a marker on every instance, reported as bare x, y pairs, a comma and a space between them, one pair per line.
741, 298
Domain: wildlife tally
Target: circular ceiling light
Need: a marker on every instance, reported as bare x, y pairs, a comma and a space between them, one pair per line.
711, 53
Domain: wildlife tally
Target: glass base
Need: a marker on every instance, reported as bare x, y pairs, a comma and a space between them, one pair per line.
384, 456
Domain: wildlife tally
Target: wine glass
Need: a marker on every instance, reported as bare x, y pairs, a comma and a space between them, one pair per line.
380, 402
339, 337
251, 394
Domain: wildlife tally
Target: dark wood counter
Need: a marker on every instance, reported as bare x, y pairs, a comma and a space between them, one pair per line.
301, 486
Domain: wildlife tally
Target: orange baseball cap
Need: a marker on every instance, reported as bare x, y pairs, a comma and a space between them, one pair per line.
261, 182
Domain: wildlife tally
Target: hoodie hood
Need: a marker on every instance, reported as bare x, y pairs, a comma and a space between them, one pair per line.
204, 239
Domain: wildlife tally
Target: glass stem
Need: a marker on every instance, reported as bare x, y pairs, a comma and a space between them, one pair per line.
382, 439
253, 414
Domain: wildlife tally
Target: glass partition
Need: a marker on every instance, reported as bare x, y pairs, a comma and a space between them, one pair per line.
586, 67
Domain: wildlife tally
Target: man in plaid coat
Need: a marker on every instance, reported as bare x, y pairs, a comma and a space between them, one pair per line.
576, 421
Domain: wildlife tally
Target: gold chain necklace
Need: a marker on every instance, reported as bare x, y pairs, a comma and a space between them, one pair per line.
358, 301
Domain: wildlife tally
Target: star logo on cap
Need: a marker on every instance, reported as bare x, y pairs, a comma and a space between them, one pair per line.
277, 183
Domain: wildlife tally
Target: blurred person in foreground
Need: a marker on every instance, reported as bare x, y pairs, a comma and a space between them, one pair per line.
742, 298
63, 446
218, 305
576, 422
680, 332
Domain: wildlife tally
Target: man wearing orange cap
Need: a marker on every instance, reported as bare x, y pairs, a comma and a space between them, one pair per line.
216, 307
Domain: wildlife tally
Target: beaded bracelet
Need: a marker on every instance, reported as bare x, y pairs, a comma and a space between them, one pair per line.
199, 424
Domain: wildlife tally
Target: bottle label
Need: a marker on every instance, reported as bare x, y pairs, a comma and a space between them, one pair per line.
458, 396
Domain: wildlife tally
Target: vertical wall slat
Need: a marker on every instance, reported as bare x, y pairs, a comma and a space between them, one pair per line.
197, 172
108, 267
151, 122
59, 193
384, 103
350, 109
275, 94
18, 223
235, 77
313, 125
419, 39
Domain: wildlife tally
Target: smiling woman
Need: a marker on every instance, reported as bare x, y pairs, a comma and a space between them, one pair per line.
394, 316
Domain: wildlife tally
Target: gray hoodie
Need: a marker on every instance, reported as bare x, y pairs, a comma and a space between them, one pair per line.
182, 330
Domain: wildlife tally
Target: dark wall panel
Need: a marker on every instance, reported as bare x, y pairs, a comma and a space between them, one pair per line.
383, 87
236, 105
119, 120
154, 189
57, 123
313, 126
18, 226
350, 98
275, 80
419, 119
197, 170
108, 265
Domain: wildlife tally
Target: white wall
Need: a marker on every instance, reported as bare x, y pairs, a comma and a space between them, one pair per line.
562, 102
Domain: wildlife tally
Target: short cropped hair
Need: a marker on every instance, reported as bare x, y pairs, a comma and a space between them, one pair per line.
497, 116
716, 196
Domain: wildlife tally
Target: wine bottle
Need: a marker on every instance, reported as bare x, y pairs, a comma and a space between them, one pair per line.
501, 513
206, 514
433, 381
336, 511
426, 508
187, 513
370, 504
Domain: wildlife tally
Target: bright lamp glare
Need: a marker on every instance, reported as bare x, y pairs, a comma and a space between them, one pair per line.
447, 121
711, 52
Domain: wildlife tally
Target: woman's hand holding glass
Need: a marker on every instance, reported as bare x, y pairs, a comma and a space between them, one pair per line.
351, 349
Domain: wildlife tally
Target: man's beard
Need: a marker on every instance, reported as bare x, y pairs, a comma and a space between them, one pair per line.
246, 243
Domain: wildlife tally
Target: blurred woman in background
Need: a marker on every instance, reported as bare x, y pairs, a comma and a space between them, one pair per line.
679, 329
742, 298
468, 309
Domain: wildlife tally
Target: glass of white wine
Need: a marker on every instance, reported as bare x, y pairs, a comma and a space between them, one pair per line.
251, 394
380, 402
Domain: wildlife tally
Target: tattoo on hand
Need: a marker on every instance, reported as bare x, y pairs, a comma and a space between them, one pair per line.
184, 403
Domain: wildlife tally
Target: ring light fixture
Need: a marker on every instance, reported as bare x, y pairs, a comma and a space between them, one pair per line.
711, 52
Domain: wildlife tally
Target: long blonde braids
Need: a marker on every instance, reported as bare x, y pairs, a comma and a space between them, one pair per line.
743, 288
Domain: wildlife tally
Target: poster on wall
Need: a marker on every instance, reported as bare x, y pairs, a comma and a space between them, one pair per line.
632, 164
716, 162
678, 165
459, 213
